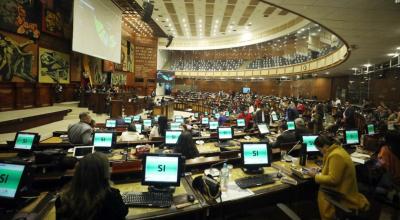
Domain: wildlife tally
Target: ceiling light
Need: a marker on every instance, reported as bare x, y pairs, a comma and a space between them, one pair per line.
200, 20
327, 73
354, 68
367, 65
393, 54
216, 21
183, 20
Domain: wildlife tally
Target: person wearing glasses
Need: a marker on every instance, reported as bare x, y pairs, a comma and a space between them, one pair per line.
338, 176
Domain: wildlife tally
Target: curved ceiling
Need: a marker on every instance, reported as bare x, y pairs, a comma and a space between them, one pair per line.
371, 28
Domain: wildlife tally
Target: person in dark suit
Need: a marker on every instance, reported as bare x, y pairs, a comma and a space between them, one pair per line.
291, 136
349, 120
262, 116
89, 195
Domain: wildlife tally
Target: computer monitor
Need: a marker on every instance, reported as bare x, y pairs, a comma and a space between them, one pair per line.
156, 118
111, 123
136, 118
147, 123
227, 114
196, 114
81, 151
225, 133
162, 170
351, 137
309, 140
205, 113
25, 141
180, 120
370, 129
103, 141
175, 126
213, 125
217, 115
139, 127
204, 121
241, 122
11, 176
255, 155
171, 137
178, 116
246, 90
127, 120
274, 117
263, 128
290, 125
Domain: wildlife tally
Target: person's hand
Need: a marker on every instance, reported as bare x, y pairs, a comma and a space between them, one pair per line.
312, 172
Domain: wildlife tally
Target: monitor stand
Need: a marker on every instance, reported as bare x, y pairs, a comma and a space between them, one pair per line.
223, 143
256, 170
162, 189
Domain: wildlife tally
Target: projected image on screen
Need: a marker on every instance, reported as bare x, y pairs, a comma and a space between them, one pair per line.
161, 169
171, 137
255, 154
309, 141
97, 29
225, 133
213, 125
241, 122
10, 178
24, 141
102, 139
352, 137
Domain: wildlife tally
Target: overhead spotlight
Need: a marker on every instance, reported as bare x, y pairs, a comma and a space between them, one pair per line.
367, 65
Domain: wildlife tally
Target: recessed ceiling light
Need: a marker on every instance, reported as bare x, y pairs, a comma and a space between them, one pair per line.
327, 73
183, 20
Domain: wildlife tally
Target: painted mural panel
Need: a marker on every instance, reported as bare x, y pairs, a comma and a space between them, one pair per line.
18, 58
19, 16
53, 66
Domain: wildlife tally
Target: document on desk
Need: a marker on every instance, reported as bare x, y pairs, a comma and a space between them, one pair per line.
360, 157
235, 192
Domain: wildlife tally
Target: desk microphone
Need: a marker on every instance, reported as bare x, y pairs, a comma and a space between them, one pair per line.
295, 147
214, 172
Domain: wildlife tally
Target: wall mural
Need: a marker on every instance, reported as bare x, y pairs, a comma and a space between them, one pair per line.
19, 16
118, 78
17, 58
55, 16
53, 66
95, 66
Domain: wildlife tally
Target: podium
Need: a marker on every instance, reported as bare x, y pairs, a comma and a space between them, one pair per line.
116, 108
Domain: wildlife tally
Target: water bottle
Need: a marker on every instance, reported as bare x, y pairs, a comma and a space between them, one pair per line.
224, 177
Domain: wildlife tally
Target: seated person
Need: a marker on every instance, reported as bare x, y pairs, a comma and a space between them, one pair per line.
131, 134
222, 119
81, 132
158, 130
291, 136
89, 195
338, 175
186, 146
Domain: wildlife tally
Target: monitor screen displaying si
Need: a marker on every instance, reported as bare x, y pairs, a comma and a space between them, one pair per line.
290, 125
309, 141
25, 141
255, 154
138, 128
205, 113
263, 129
196, 115
241, 122
103, 139
217, 115
128, 120
213, 125
171, 137
110, 123
136, 118
156, 118
147, 122
10, 179
351, 137
175, 126
370, 129
227, 114
246, 90
204, 121
179, 120
178, 116
225, 133
162, 170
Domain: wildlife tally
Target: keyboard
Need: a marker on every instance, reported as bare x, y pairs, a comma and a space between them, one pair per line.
256, 180
147, 199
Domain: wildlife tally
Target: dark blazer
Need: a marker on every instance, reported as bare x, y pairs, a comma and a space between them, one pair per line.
350, 121
112, 208
258, 117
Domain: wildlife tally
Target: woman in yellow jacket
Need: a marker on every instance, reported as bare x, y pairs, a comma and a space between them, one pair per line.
338, 174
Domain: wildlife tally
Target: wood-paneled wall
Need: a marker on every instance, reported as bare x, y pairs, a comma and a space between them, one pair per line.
25, 95
320, 87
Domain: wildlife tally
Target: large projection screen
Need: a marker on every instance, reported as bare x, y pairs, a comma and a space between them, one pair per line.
97, 29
